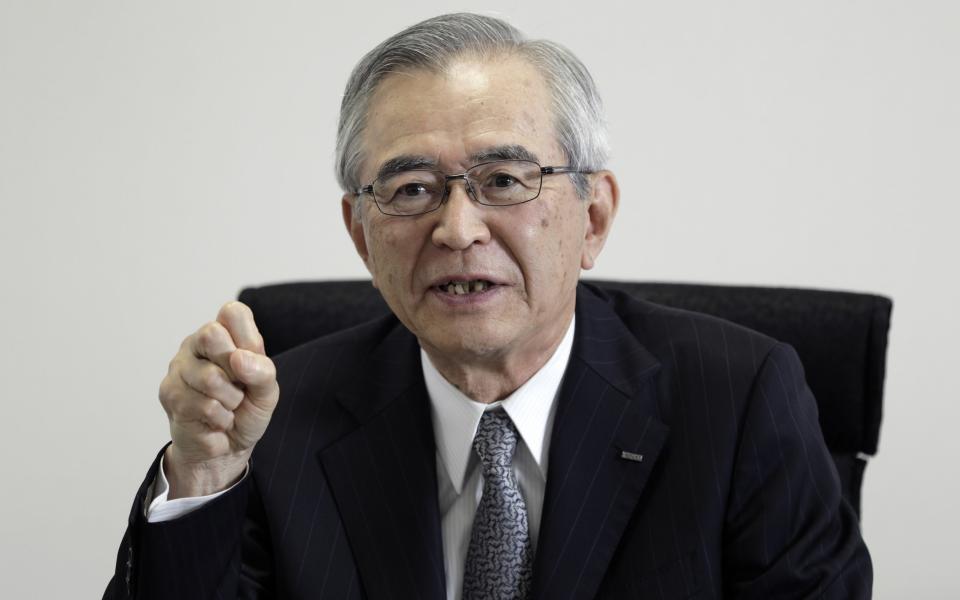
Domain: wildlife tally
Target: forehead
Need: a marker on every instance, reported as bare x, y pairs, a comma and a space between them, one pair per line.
470, 106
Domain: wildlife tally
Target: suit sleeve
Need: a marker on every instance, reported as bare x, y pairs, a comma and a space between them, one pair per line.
789, 533
217, 551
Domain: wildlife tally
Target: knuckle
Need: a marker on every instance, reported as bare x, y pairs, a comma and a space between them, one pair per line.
166, 389
210, 410
234, 310
209, 379
207, 444
167, 395
268, 369
176, 411
232, 397
208, 334
180, 360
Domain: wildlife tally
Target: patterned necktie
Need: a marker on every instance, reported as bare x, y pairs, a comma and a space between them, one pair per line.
500, 557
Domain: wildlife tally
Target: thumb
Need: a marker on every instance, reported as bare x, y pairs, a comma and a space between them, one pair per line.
258, 374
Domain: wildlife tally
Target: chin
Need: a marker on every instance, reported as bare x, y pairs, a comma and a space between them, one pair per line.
470, 342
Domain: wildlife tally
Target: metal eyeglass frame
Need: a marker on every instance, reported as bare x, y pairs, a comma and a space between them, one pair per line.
368, 189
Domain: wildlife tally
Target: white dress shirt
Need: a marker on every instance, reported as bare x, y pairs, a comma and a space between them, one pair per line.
456, 417
459, 474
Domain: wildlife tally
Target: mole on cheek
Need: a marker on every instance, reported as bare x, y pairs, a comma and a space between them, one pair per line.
544, 222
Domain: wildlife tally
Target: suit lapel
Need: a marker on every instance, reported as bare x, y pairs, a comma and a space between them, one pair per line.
383, 476
607, 406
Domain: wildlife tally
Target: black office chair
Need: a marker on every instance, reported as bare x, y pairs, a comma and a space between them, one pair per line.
841, 338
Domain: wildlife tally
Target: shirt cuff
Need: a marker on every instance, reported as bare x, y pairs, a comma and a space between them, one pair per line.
160, 509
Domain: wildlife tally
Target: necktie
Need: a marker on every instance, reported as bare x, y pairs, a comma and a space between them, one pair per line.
500, 557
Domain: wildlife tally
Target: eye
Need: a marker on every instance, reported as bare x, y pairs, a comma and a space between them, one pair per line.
503, 180
412, 190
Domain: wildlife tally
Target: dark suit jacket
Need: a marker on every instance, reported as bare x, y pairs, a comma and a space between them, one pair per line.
735, 495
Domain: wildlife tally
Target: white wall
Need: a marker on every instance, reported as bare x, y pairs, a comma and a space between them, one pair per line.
155, 157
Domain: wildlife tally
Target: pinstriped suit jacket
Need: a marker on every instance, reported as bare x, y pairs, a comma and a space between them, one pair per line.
735, 495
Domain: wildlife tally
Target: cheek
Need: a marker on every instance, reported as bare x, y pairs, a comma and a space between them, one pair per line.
563, 229
390, 255
551, 240
567, 236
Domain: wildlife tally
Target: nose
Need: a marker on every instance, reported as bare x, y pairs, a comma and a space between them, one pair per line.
461, 220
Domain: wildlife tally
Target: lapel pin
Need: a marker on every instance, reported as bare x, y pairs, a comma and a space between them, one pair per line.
631, 456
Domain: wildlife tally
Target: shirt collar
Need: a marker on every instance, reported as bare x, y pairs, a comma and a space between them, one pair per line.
456, 417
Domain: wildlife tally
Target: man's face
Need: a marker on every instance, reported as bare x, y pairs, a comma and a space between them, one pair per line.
529, 254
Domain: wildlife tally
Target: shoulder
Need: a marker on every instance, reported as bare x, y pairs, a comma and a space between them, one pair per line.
686, 339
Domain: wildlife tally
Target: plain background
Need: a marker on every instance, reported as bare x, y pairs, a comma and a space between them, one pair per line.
157, 157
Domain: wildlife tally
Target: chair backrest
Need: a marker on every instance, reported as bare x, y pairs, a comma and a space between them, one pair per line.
841, 338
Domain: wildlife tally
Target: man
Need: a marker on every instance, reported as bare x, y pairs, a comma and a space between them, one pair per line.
506, 433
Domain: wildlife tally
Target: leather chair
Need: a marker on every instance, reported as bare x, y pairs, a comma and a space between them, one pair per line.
841, 338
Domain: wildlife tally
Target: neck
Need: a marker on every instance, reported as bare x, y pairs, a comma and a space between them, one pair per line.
489, 378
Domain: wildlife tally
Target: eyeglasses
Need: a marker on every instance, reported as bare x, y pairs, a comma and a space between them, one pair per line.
495, 183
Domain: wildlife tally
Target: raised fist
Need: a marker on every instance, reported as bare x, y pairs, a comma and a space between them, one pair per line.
219, 395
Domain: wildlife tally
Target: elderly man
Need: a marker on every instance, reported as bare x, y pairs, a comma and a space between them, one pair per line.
506, 433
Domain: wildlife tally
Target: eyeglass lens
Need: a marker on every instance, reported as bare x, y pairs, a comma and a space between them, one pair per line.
498, 183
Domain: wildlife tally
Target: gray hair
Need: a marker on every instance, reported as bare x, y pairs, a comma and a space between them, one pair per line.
434, 43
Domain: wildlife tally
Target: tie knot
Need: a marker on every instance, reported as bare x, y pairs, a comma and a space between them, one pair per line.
496, 440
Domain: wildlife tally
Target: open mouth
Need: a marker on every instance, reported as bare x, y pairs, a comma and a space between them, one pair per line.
461, 288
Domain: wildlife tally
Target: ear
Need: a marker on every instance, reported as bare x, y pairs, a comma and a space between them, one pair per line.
351, 208
601, 211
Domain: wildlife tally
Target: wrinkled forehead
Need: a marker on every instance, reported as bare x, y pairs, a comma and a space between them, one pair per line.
454, 114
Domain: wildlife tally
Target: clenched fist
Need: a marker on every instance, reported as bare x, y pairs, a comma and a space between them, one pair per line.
219, 394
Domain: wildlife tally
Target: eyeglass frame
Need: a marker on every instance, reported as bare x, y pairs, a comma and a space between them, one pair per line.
553, 170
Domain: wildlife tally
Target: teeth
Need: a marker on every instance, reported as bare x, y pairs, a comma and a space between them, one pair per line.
459, 288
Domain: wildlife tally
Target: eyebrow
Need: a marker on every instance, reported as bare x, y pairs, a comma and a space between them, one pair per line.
410, 162
406, 162
506, 152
